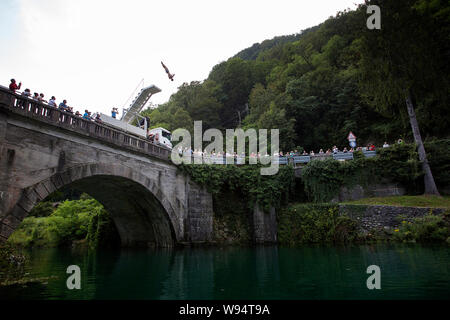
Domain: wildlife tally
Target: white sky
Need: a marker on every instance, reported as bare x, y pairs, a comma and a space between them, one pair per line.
95, 52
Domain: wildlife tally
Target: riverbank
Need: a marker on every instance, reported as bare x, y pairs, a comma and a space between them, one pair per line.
347, 222
422, 201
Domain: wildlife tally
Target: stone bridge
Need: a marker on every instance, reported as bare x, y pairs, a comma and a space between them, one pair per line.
43, 149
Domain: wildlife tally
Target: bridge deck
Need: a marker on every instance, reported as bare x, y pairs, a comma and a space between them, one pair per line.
30, 108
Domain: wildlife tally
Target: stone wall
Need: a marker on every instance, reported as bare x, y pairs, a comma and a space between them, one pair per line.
357, 192
199, 222
378, 217
264, 225
231, 229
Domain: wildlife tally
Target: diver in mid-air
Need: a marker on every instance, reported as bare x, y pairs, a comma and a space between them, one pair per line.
168, 72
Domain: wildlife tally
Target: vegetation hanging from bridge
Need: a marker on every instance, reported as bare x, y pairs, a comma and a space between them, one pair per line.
267, 191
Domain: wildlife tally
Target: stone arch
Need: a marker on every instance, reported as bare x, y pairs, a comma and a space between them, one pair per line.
142, 212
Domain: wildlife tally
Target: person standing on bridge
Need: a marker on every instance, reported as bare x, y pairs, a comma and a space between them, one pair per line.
13, 85
114, 112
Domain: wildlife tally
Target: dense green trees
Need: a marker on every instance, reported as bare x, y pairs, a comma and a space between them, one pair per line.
404, 64
318, 85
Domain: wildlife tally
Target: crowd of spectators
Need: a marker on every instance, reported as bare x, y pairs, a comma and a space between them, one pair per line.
186, 151
330, 151
195, 153
52, 102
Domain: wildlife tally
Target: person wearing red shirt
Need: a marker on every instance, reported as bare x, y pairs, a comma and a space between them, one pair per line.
13, 86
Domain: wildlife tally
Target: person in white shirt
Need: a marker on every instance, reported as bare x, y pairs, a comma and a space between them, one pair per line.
52, 102
385, 145
26, 93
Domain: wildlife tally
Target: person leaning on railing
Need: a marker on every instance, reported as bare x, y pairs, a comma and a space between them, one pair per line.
52, 102
87, 115
63, 105
41, 98
97, 118
26, 93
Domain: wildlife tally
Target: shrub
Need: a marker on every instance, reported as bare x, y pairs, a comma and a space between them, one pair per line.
268, 191
438, 154
71, 221
314, 223
42, 209
12, 263
431, 228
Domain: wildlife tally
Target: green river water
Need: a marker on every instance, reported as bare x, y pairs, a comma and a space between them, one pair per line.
310, 272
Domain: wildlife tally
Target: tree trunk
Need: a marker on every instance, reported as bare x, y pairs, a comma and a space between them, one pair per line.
430, 185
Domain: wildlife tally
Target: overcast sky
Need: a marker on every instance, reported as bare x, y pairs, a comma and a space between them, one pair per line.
95, 52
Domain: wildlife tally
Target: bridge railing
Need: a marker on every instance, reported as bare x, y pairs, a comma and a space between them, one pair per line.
343, 156
37, 110
281, 160
301, 159
370, 154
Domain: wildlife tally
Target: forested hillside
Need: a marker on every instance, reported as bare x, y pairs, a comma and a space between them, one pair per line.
318, 85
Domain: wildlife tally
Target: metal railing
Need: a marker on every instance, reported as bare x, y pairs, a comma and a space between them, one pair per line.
281, 160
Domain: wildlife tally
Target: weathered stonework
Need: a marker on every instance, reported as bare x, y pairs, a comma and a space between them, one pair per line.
372, 190
232, 229
150, 202
377, 217
264, 225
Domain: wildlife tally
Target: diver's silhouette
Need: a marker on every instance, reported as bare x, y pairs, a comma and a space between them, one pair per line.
167, 71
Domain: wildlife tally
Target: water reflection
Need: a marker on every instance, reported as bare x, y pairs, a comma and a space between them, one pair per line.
315, 272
